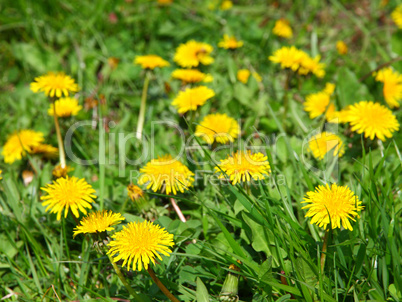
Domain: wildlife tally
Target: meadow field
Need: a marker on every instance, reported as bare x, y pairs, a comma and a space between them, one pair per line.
200, 150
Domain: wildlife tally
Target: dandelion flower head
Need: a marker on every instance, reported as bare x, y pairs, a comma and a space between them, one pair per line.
396, 15
166, 174
193, 53
229, 42
191, 76
218, 127
19, 143
138, 244
191, 98
324, 142
335, 204
150, 61
319, 103
341, 47
98, 222
282, 29
392, 86
242, 166
65, 107
68, 193
134, 192
54, 84
243, 75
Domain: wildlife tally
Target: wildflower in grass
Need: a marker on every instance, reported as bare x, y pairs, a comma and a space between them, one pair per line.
335, 204
54, 84
193, 53
282, 29
45, 150
191, 76
0, 174
166, 174
243, 75
58, 171
191, 98
311, 65
138, 244
134, 192
98, 222
324, 142
242, 166
150, 61
396, 15
68, 193
20, 143
229, 42
372, 119
218, 127
113, 62
341, 47
226, 5
65, 107
392, 86
319, 103
256, 76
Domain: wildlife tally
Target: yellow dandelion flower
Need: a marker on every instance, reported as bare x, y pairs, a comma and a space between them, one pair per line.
138, 244
0, 174
191, 98
65, 107
192, 53
58, 171
45, 150
134, 192
226, 5
396, 15
319, 103
230, 42
324, 142
191, 76
98, 222
218, 127
19, 143
311, 65
243, 75
335, 204
208, 78
54, 84
166, 174
329, 88
68, 193
282, 29
392, 86
257, 77
288, 57
150, 61
341, 47
374, 119
242, 166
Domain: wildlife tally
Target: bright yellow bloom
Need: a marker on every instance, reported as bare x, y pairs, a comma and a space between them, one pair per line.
138, 244
192, 53
150, 61
396, 15
191, 76
166, 173
165, 2
230, 42
218, 127
257, 77
282, 29
242, 166
392, 86
98, 222
374, 119
134, 192
65, 107
191, 98
19, 143
226, 5
335, 205
54, 84
46, 150
298, 60
243, 75
0, 174
324, 142
68, 193
341, 47
319, 103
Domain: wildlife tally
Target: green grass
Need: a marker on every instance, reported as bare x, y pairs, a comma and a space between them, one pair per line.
265, 229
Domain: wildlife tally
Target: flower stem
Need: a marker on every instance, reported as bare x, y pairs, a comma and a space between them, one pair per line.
141, 116
177, 209
324, 249
161, 286
124, 281
62, 155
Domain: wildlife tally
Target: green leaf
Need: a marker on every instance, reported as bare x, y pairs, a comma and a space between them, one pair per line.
202, 292
349, 89
396, 42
